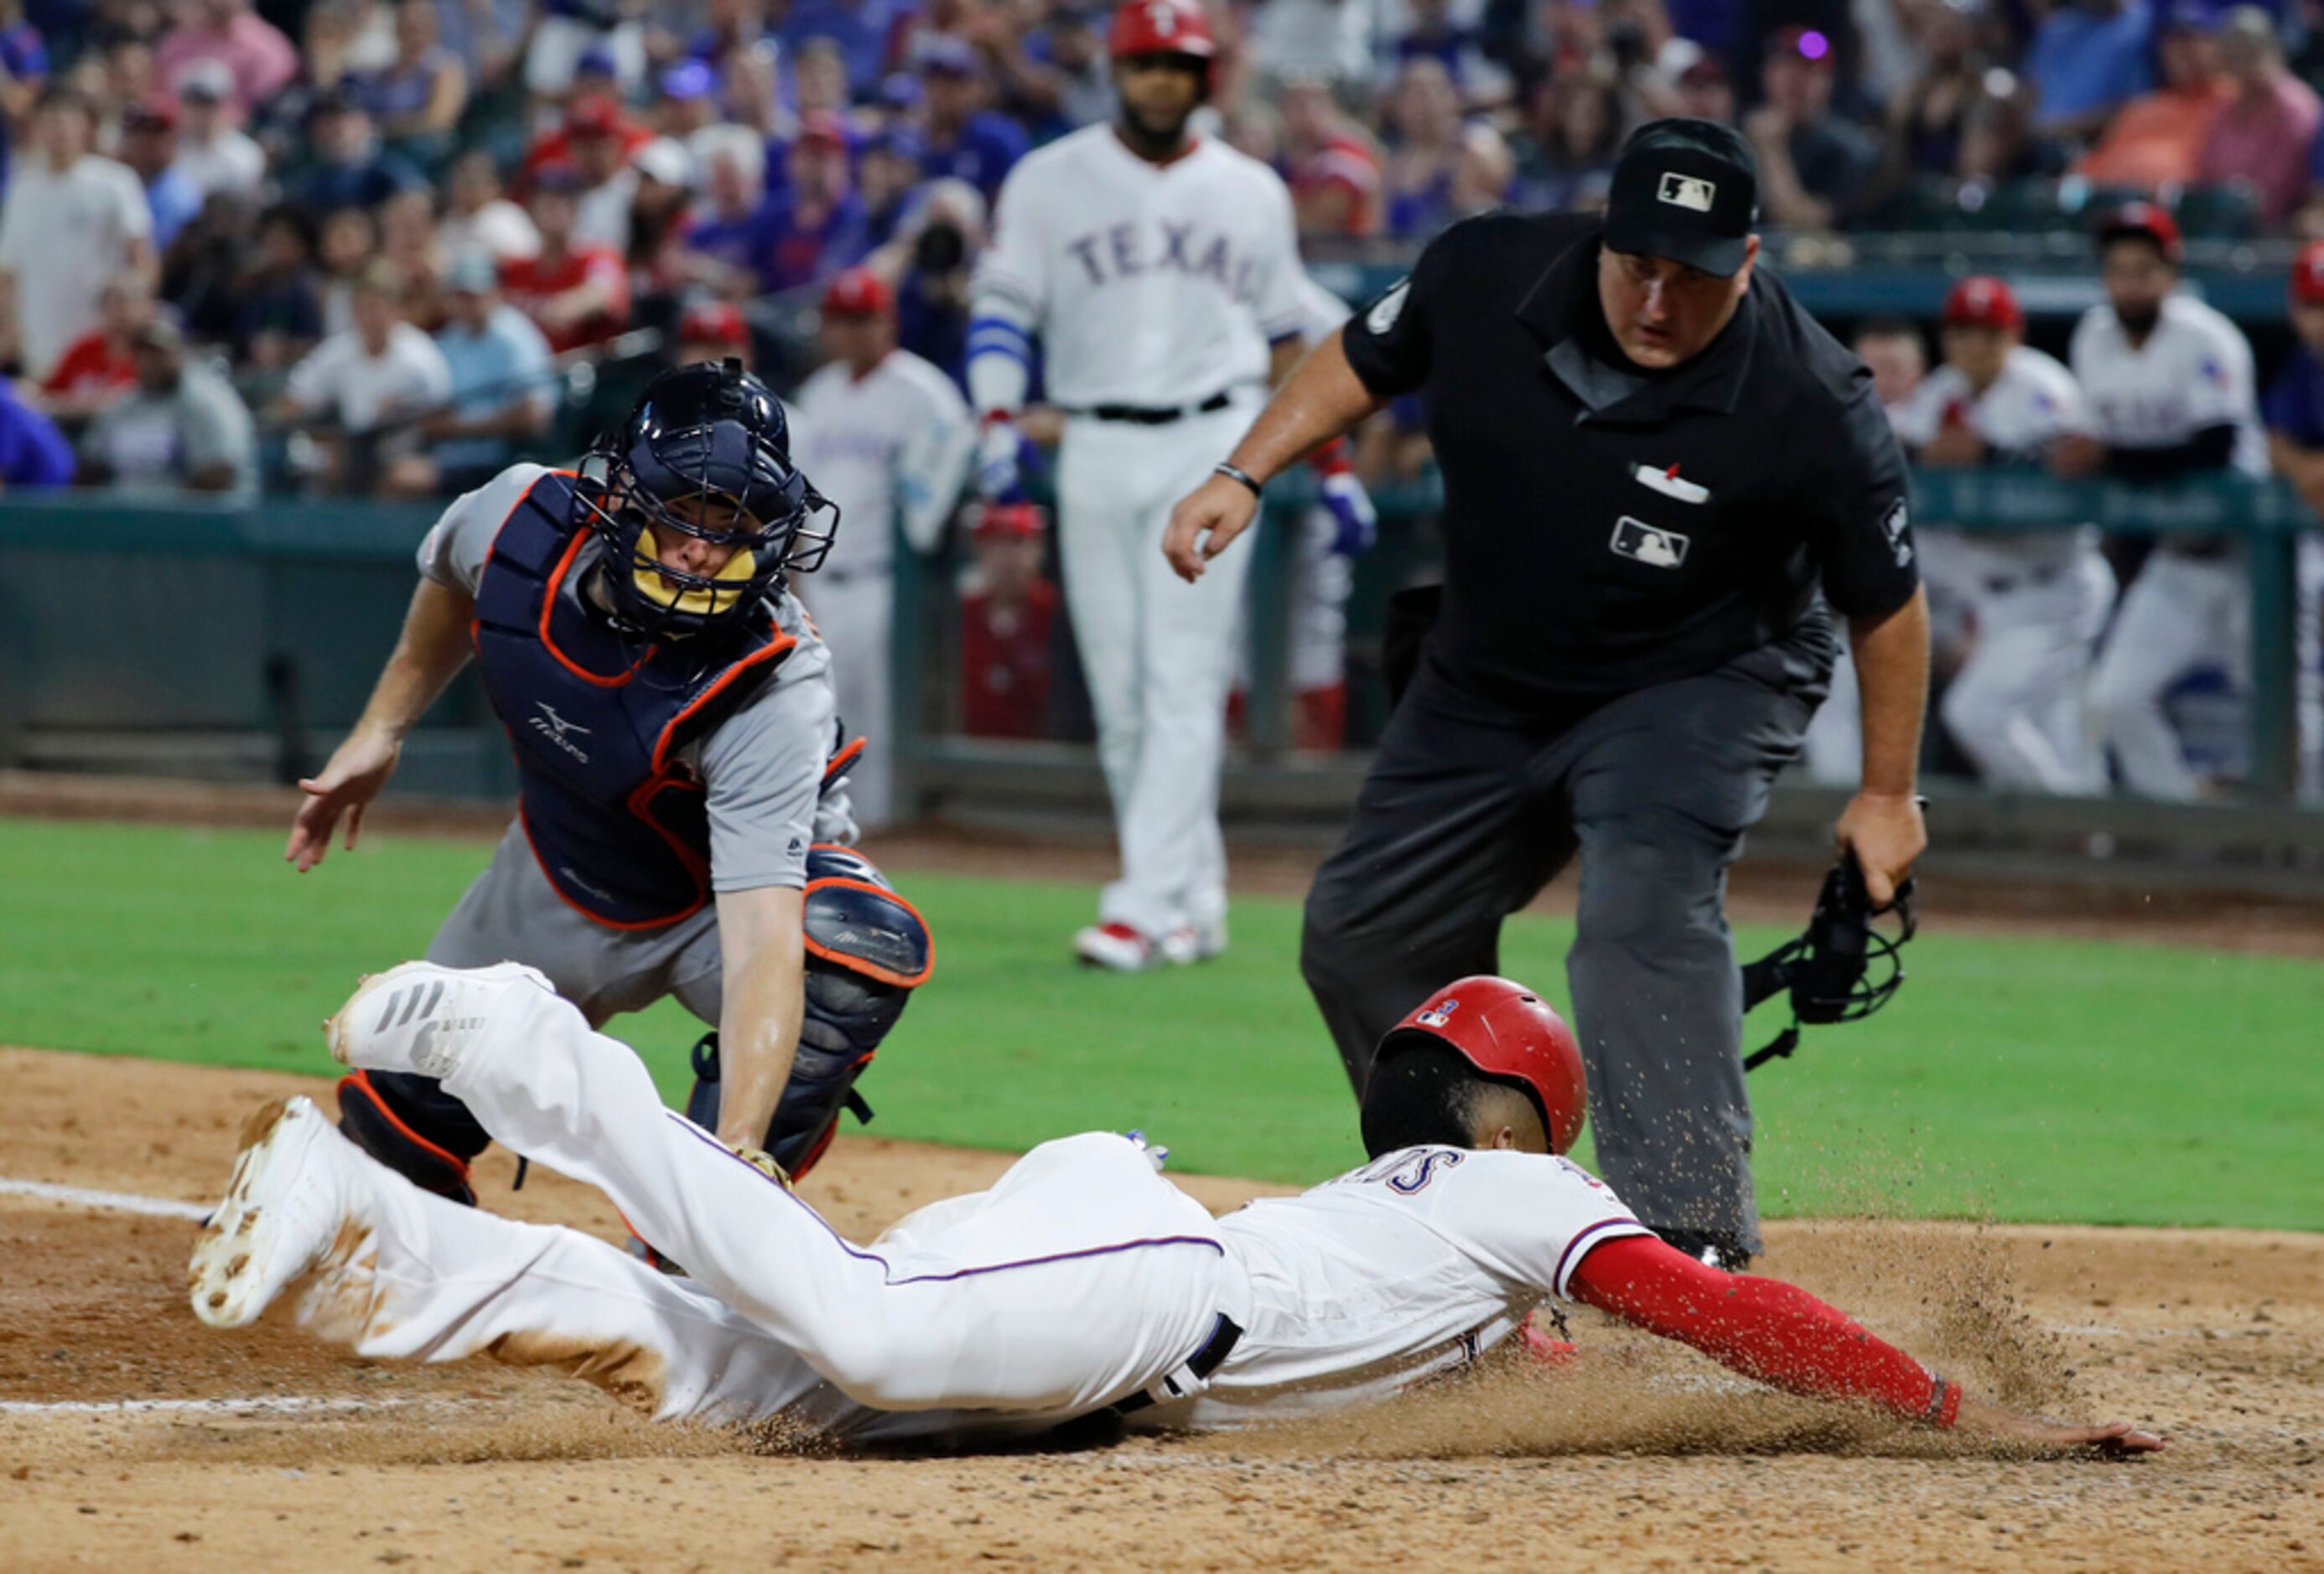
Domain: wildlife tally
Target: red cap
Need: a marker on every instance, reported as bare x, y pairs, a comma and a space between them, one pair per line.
1504, 1030
858, 292
592, 116
1982, 301
1012, 518
2307, 274
2144, 218
713, 322
1161, 27
821, 126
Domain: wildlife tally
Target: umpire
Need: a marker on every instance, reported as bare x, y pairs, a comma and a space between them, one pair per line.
1658, 474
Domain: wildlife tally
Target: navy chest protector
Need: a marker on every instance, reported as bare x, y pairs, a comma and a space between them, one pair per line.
617, 822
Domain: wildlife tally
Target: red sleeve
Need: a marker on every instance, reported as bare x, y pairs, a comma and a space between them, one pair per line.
1763, 1328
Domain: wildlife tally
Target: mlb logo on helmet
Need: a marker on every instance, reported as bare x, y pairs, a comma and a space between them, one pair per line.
1438, 1014
1688, 191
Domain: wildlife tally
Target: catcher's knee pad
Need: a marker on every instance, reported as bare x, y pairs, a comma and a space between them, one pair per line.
413, 1127
867, 950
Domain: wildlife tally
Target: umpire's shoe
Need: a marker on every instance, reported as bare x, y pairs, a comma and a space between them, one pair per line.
296, 1188
421, 1018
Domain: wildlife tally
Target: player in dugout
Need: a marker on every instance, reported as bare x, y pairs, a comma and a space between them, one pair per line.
1081, 1282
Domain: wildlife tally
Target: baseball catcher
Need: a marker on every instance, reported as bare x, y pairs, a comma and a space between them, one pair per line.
681, 771
1081, 1282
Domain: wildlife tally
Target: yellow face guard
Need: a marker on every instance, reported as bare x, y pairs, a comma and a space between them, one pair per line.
699, 600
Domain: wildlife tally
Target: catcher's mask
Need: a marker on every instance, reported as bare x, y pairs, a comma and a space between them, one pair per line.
1843, 969
1509, 1034
705, 453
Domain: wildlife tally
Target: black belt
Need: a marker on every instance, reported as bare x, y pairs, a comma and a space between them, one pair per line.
1200, 1364
1148, 415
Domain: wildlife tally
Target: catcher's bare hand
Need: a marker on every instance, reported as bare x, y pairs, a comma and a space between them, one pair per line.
358, 768
1887, 834
1205, 523
2117, 1437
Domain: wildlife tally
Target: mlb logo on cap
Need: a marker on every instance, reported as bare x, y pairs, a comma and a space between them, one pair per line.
1689, 192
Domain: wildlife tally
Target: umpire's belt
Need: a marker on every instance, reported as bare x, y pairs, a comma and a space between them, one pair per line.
1182, 1381
1152, 415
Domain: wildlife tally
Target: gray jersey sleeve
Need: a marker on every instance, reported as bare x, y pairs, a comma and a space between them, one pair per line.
453, 550
764, 768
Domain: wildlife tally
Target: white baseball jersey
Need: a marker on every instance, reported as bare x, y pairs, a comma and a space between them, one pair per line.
2194, 371
893, 443
1148, 284
2033, 401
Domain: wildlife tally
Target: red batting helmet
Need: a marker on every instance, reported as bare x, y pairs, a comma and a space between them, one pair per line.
2147, 221
1983, 301
1508, 1032
1161, 27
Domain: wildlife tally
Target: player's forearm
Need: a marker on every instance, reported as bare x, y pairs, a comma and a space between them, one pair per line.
1771, 1331
428, 654
1321, 399
1892, 674
761, 938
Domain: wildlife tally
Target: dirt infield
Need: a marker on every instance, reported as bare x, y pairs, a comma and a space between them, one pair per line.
263, 1450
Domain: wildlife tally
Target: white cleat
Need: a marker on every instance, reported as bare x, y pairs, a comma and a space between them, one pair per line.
1189, 944
1117, 948
421, 1016
285, 1204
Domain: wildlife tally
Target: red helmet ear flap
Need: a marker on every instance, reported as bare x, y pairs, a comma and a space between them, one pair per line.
1507, 1031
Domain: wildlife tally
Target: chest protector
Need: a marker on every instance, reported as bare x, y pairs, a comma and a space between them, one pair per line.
618, 823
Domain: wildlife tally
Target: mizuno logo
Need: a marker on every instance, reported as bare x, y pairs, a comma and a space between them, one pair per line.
559, 730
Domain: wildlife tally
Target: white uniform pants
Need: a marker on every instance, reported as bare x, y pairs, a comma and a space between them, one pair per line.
856, 616
2016, 706
2178, 611
1081, 1277
1157, 653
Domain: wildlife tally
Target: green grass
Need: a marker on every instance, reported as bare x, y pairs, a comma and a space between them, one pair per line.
2016, 1077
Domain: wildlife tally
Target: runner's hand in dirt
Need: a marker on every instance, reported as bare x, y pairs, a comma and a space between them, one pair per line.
358, 769
1981, 1418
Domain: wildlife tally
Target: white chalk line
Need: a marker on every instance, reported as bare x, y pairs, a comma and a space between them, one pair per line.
114, 1202
277, 1404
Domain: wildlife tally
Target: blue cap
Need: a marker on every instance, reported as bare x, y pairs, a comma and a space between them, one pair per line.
596, 60
688, 81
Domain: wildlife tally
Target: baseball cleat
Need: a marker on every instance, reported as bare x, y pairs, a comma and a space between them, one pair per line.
1117, 948
288, 1197
1192, 943
422, 1017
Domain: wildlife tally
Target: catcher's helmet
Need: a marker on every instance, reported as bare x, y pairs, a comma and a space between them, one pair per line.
1161, 27
706, 452
1511, 1034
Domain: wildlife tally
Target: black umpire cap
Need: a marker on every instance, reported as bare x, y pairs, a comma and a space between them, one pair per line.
1684, 189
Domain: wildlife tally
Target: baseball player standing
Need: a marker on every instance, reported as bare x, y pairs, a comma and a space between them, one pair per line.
887, 439
1160, 271
671, 711
2168, 384
1081, 1282
2040, 597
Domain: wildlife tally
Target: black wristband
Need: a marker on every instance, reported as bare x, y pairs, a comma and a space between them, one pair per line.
1234, 472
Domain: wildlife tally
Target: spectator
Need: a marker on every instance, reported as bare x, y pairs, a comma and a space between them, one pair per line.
1926, 121
2157, 141
23, 72
1439, 169
1333, 169
587, 115
71, 221
279, 317
149, 146
1434, 33
1079, 70
214, 154
661, 193
860, 31
500, 394
601, 155
101, 365
417, 98
2087, 59
1705, 93
2260, 138
1324, 42
409, 243
686, 103
819, 80
818, 226
932, 295
260, 58
730, 29
575, 294
362, 389
713, 330
584, 48
1007, 616
887, 175
1813, 166
183, 425
348, 168
349, 244
477, 217
1565, 155
734, 230
965, 141
33, 455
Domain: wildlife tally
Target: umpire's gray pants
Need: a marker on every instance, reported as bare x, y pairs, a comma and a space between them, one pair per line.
1462, 820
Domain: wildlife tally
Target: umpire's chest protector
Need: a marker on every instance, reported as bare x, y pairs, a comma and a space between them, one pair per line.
617, 822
